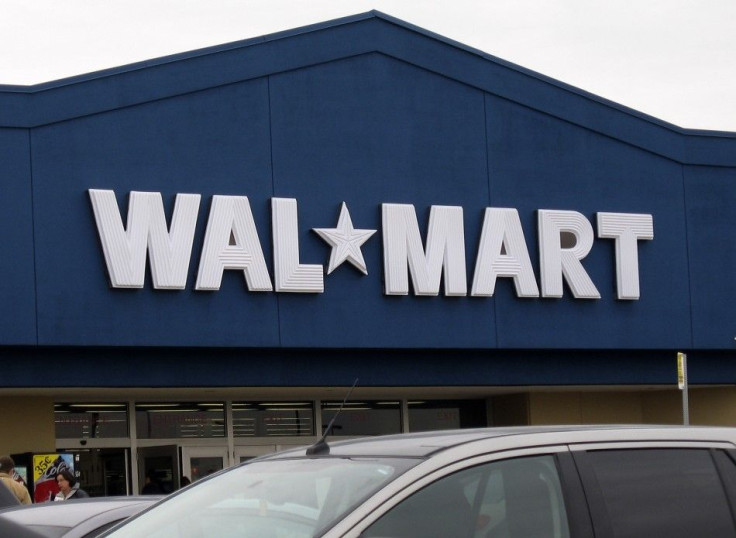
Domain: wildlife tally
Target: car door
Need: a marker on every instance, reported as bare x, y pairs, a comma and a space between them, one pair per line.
517, 494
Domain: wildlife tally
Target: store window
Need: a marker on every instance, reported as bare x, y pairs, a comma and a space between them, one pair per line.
362, 418
162, 420
446, 414
268, 419
90, 420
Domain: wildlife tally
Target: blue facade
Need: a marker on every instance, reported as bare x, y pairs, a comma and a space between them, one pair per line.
365, 110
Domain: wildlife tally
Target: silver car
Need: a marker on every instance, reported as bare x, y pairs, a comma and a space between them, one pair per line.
532, 482
82, 518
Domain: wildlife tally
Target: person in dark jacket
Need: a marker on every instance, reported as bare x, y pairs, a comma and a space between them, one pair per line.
153, 484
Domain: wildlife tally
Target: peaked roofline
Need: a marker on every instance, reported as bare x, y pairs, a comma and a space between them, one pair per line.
370, 32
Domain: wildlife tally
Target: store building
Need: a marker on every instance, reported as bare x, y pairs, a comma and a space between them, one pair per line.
202, 253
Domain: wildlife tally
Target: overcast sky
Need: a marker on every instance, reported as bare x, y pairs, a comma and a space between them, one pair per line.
672, 59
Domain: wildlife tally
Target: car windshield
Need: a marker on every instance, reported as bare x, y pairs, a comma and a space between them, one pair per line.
291, 498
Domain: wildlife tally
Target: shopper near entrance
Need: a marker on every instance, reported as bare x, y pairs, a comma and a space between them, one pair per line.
68, 487
7, 468
153, 484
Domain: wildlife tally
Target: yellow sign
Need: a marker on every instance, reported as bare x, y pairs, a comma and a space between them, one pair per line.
41, 464
681, 369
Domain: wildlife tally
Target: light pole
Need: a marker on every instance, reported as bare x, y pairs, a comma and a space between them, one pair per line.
682, 385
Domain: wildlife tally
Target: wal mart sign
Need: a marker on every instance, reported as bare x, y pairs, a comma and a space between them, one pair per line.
231, 242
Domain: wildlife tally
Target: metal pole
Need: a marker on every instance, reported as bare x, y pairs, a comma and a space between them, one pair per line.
682, 385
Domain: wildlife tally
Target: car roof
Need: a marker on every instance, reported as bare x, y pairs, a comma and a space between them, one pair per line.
73, 512
16, 530
425, 444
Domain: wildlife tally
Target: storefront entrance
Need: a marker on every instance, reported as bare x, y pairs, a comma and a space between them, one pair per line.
159, 467
162, 463
200, 461
103, 472
122, 447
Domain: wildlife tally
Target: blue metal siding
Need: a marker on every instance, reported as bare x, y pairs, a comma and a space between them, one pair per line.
207, 367
365, 131
211, 142
539, 162
711, 221
17, 277
366, 111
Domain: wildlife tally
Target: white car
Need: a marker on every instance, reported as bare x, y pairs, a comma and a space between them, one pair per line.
531, 482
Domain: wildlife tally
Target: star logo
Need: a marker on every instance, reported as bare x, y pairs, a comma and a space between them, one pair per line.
345, 242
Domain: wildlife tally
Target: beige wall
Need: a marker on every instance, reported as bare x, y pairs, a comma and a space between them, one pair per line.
708, 406
27, 425
716, 406
586, 408
664, 407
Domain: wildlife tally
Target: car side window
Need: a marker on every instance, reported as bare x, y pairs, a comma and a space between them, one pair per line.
515, 498
658, 492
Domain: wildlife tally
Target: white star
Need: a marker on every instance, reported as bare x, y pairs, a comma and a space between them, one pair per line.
345, 242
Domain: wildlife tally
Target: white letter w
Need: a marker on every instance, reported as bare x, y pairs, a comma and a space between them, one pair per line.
125, 248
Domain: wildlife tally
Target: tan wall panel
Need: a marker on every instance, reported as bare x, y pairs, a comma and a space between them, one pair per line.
712, 406
708, 406
554, 408
585, 408
27, 425
611, 408
662, 407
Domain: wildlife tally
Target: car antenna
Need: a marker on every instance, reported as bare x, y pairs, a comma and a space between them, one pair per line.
321, 446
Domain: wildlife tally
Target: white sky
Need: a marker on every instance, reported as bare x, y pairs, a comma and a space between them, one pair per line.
672, 59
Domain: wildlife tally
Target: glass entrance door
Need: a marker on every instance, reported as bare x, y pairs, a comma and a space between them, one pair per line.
158, 469
200, 461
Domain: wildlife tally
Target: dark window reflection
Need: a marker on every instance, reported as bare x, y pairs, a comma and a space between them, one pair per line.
363, 418
90, 420
446, 414
163, 420
267, 419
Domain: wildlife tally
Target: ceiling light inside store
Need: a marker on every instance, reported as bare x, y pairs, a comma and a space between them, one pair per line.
118, 405
276, 404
